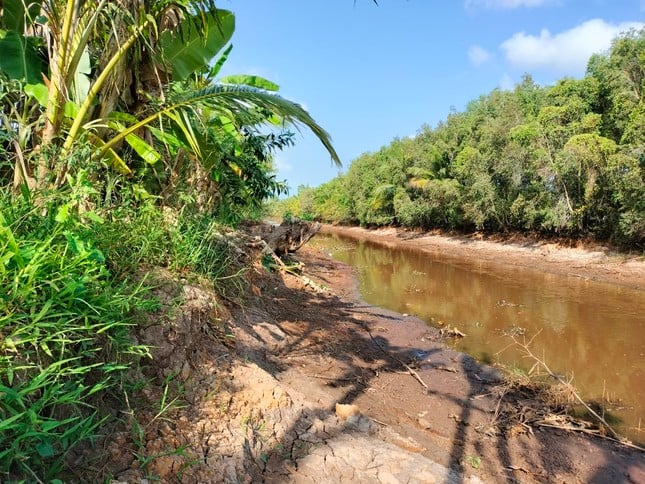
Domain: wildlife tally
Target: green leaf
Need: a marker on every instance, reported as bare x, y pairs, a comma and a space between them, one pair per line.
62, 214
195, 42
143, 149
14, 16
141, 193
112, 157
39, 92
94, 217
253, 81
6, 422
185, 127
20, 59
45, 449
242, 100
97, 256
166, 137
76, 246
6, 232
45, 309
45, 347
71, 109
229, 127
220, 62
81, 85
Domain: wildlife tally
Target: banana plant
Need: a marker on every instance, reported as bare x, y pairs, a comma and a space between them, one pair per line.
140, 47
122, 33
20, 58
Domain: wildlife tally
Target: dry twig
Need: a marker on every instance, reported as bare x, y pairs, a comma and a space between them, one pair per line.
407, 367
567, 384
540, 363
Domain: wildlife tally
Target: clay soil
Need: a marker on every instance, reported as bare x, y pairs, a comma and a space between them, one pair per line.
259, 385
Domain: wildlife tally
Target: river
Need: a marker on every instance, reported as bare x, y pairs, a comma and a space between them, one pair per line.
593, 332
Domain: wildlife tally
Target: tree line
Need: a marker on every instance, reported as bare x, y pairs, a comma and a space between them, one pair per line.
567, 159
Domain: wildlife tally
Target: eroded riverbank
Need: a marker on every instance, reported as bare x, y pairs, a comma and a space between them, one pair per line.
590, 261
455, 421
260, 383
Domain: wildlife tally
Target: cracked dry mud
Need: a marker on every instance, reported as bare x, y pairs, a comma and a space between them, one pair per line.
257, 389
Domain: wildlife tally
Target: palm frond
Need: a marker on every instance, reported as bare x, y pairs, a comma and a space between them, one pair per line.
382, 196
235, 101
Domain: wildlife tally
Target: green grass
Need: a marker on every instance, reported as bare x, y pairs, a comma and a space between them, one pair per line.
68, 302
65, 337
187, 243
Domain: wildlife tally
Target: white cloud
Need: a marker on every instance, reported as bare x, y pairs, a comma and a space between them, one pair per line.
565, 52
478, 55
281, 164
506, 4
506, 83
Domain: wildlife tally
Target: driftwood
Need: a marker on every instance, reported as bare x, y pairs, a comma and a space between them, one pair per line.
290, 236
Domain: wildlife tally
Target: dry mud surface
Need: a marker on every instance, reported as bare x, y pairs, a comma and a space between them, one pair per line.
307, 384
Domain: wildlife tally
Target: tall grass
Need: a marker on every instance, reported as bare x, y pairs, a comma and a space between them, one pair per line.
66, 310
187, 242
64, 337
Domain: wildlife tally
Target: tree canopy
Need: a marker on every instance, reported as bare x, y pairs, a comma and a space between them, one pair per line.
567, 159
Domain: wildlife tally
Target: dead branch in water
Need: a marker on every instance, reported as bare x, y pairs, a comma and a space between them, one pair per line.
539, 363
566, 384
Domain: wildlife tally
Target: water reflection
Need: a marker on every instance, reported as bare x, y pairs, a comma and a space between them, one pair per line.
592, 330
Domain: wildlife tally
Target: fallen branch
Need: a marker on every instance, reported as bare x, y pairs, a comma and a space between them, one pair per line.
566, 384
329, 378
407, 367
449, 369
595, 433
497, 409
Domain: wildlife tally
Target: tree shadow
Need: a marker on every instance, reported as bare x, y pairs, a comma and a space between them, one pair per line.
348, 353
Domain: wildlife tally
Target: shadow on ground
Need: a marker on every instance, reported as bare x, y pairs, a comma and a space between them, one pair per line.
332, 349
257, 390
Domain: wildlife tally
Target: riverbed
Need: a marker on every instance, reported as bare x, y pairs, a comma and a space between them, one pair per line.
590, 330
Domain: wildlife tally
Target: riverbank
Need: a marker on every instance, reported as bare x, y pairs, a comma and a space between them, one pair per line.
305, 382
574, 259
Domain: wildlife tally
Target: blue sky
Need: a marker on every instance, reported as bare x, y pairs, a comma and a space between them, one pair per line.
371, 73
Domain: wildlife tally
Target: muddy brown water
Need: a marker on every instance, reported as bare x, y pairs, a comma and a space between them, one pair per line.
591, 331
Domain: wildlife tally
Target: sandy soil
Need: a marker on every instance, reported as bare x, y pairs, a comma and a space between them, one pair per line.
258, 389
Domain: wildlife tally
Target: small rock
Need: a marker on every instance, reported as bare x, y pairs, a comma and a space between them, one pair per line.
185, 371
360, 423
166, 465
344, 411
424, 423
636, 473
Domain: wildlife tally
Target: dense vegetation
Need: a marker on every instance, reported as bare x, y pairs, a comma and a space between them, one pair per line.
120, 149
568, 159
